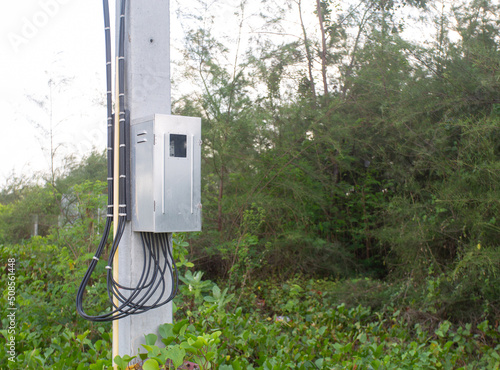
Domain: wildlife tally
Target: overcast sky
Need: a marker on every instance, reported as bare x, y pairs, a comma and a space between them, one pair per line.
52, 76
41, 41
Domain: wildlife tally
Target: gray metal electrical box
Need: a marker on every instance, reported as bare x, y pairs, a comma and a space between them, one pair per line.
166, 173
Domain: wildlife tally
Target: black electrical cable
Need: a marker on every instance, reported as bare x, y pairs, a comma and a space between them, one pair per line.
154, 243
110, 134
157, 251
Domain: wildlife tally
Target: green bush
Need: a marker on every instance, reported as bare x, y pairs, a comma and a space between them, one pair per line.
308, 331
48, 331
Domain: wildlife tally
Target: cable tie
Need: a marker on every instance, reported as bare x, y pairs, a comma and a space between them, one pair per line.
121, 58
110, 179
109, 148
122, 145
109, 92
95, 258
122, 214
108, 215
123, 176
110, 206
106, 28
122, 15
122, 205
108, 267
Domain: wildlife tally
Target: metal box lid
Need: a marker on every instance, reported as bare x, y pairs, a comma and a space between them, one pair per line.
166, 173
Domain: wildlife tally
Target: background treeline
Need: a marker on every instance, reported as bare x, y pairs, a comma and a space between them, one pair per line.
351, 149
347, 149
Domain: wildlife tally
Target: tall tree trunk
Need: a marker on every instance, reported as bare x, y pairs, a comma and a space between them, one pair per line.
308, 52
350, 67
323, 48
219, 200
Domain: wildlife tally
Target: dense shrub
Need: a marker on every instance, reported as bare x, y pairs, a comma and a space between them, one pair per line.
305, 329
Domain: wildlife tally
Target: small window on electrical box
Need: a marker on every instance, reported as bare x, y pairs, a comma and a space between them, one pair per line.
178, 146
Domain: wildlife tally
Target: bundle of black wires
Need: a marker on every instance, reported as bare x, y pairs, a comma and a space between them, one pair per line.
149, 292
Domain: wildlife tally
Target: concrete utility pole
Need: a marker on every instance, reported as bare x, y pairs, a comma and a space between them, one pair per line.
147, 92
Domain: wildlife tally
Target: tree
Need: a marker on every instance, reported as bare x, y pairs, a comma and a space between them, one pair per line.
53, 203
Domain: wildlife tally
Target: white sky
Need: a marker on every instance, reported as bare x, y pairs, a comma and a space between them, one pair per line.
42, 40
53, 40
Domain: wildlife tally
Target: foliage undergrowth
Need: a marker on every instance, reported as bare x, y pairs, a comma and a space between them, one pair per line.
301, 323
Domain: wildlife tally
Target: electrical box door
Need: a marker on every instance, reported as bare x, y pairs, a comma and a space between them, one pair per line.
166, 173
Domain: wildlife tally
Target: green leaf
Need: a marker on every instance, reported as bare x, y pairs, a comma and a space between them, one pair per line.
198, 343
168, 341
151, 365
443, 329
166, 331
189, 348
216, 292
152, 350
160, 359
177, 355
121, 362
362, 338
379, 350
180, 325
151, 339
237, 365
376, 364
216, 334
483, 326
